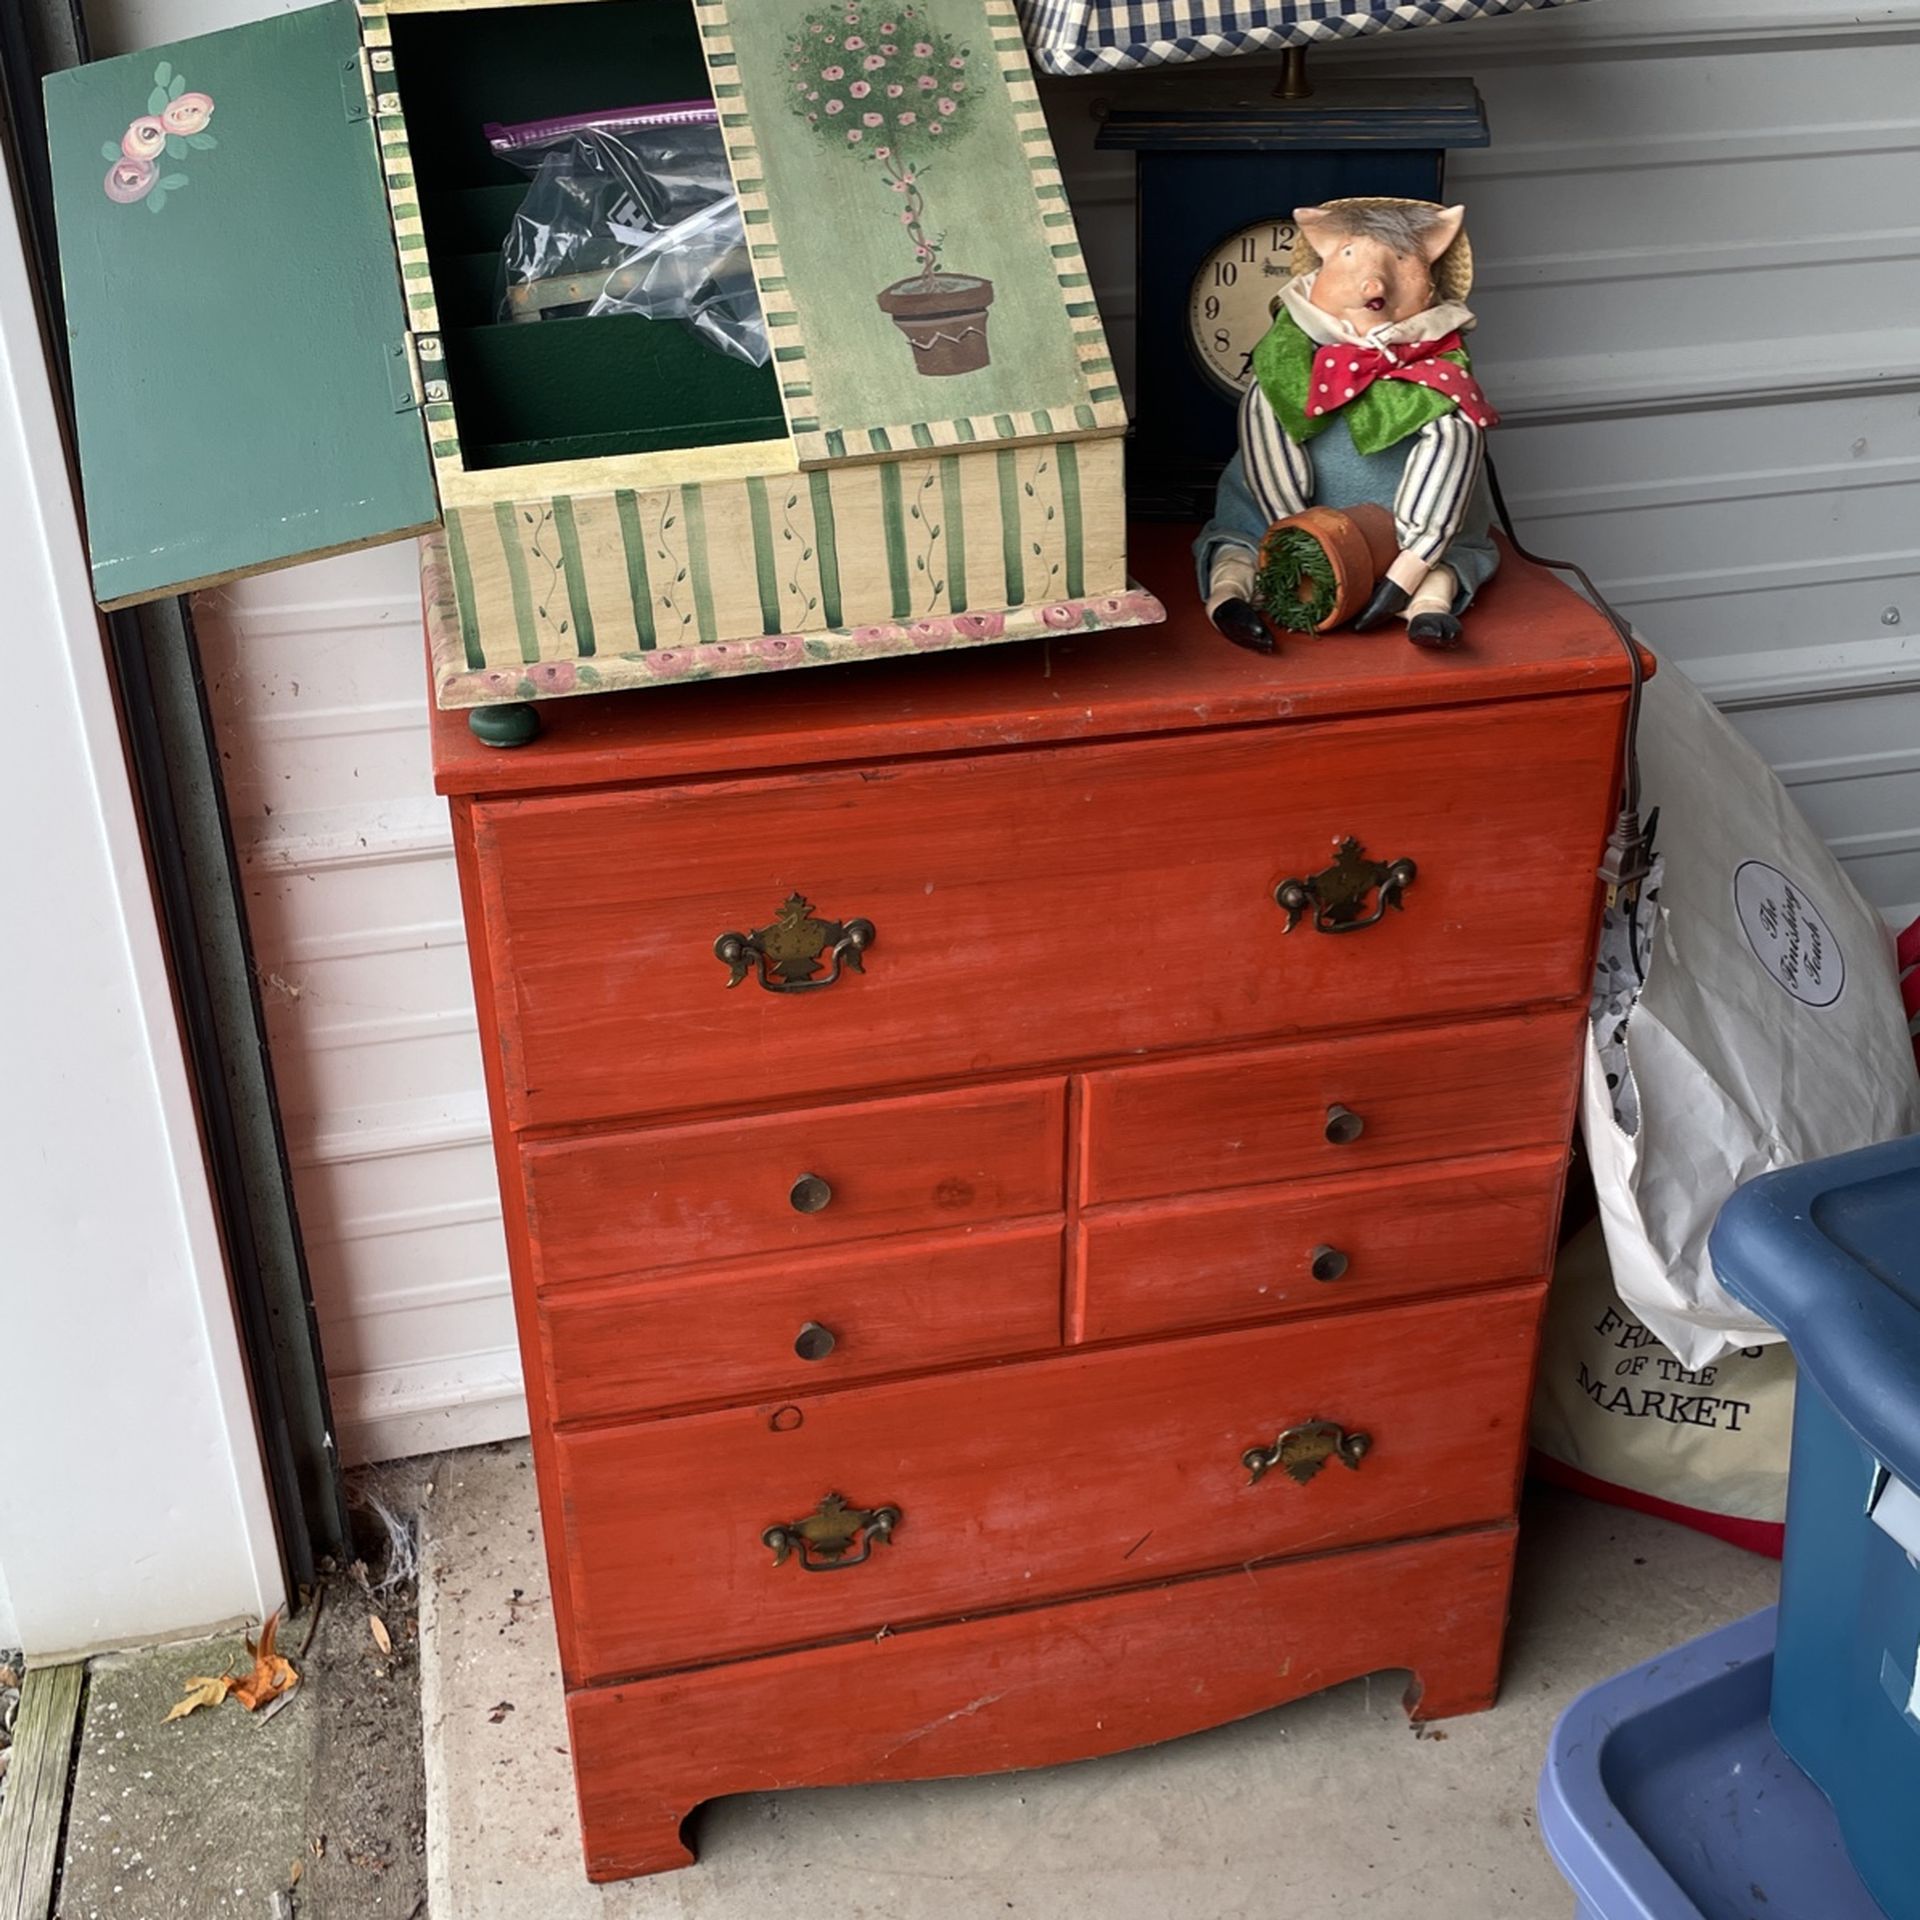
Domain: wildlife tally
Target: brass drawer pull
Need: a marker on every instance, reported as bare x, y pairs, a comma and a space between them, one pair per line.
1344, 1126
1329, 1263
1303, 1450
1338, 894
789, 954
810, 1194
815, 1342
824, 1540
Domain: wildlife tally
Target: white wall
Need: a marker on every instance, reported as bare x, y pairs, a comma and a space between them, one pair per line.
1689, 205
132, 1500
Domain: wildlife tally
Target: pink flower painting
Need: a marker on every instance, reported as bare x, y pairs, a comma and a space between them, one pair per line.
980, 626
146, 139
187, 114
174, 125
131, 180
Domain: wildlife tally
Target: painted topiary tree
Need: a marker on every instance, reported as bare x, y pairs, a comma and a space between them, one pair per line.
882, 83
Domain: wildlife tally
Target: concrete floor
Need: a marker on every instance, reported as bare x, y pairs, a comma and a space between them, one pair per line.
1328, 1807
312, 1814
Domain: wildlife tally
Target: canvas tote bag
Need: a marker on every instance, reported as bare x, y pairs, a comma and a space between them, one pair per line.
1746, 1015
1618, 1416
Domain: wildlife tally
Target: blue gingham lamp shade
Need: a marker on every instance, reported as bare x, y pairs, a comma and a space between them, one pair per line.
1106, 36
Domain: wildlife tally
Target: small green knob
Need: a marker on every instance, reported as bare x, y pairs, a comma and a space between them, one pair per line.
511, 723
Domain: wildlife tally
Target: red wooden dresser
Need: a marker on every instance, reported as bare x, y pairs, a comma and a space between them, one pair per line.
1029, 1179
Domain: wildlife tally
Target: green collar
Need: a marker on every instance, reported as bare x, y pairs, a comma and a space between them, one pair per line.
1387, 413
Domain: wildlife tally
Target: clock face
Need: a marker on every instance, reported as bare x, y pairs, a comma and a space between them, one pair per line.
1234, 298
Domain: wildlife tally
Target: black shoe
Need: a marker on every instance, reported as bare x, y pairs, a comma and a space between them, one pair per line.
1244, 627
1437, 631
1387, 600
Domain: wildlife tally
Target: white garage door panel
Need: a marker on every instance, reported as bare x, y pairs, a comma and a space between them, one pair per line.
1677, 214
432, 1164
1735, 524
1867, 806
359, 1055
410, 1328
319, 687
1677, 454
1799, 740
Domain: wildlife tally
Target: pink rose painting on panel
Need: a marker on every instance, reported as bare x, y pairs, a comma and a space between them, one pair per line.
174, 125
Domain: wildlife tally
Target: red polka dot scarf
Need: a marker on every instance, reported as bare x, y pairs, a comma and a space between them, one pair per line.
1344, 371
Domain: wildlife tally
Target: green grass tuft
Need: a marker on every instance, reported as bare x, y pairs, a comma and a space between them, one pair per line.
1294, 587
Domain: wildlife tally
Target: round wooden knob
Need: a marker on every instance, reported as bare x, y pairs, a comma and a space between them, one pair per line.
1344, 1126
1329, 1263
810, 1193
815, 1342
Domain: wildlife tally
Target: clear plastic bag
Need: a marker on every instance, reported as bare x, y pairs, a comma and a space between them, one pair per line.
631, 213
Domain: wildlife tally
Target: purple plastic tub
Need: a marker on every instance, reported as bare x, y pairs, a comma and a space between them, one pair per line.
1666, 1797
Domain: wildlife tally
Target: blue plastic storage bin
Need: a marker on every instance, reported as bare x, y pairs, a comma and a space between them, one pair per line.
1666, 1797
1830, 1253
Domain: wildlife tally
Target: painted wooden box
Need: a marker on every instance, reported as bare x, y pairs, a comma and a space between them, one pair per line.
280, 245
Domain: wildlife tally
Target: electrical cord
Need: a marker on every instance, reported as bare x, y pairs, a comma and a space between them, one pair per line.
1632, 898
1629, 854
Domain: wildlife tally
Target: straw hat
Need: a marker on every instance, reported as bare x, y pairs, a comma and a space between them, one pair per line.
1452, 272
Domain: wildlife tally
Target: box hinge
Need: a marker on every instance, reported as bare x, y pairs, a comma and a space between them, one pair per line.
377, 72
403, 378
356, 88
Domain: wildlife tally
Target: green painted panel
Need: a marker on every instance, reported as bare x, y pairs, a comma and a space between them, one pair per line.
909, 157
235, 313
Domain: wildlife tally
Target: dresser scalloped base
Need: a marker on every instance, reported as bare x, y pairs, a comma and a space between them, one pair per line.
1037, 1688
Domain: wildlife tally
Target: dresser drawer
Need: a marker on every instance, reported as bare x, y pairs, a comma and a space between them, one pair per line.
1037, 1479
1034, 908
606, 1207
795, 1325
1329, 1107
1213, 1259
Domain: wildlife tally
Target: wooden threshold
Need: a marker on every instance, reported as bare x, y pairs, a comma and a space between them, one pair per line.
31, 1816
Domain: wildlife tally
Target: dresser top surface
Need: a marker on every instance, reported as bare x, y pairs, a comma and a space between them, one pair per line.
1528, 636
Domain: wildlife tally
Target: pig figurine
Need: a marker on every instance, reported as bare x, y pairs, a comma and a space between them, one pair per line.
1362, 393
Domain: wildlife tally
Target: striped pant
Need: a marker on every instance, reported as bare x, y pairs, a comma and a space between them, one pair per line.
1430, 504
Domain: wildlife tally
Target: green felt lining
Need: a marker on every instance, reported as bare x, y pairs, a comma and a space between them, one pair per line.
555, 389
468, 219
566, 382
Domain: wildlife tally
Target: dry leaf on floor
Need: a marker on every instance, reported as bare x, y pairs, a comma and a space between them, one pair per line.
272, 1676
203, 1690
381, 1637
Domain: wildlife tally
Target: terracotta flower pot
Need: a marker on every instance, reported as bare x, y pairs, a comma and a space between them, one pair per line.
1322, 585
945, 318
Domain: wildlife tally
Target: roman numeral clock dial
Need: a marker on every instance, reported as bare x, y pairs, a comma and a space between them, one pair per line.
1233, 300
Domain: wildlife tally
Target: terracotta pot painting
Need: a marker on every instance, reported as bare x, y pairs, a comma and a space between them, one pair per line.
884, 85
